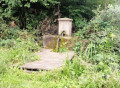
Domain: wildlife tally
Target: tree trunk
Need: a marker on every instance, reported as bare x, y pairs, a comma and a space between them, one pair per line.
22, 17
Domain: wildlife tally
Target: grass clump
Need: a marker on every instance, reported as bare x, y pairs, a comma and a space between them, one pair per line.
19, 52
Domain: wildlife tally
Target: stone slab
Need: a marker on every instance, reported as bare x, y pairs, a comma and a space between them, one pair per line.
49, 60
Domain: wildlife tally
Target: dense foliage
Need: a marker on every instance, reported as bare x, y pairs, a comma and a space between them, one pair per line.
28, 13
103, 35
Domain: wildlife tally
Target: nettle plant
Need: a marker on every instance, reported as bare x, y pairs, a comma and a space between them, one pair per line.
103, 34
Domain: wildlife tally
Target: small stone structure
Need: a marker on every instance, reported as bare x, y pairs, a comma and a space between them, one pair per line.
51, 60
64, 34
65, 25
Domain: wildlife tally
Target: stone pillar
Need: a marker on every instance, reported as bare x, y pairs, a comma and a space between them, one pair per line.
65, 25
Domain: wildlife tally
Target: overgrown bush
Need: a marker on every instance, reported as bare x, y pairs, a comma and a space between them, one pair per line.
6, 31
111, 15
103, 34
9, 33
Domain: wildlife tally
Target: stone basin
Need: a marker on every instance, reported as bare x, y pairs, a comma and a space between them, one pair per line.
50, 41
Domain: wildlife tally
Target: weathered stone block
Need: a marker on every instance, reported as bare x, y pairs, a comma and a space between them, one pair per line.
50, 41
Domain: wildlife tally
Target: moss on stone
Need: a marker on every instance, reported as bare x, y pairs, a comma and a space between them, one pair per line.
65, 42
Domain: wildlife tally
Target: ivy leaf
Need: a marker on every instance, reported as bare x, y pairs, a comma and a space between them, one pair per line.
27, 5
33, 1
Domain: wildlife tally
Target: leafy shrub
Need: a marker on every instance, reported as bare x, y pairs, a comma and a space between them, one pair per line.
7, 43
112, 15
10, 33
7, 32
80, 22
103, 36
73, 69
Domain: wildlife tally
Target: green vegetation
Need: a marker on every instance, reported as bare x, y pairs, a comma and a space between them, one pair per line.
97, 49
103, 36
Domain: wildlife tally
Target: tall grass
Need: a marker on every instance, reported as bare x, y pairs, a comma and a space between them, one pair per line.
20, 52
76, 74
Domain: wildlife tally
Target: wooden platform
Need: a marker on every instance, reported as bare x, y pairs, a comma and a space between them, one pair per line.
48, 60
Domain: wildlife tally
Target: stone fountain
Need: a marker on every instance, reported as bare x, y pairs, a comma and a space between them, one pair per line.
64, 35
50, 60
